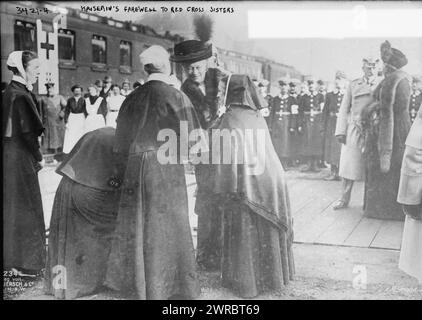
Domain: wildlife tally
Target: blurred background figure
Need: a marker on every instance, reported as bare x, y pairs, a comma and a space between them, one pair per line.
263, 90
416, 97
106, 89
74, 118
125, 88
312, 104
114, 102
94, 105
98, 84
349, 133
281, 123
53, 108
332, 147
322, 87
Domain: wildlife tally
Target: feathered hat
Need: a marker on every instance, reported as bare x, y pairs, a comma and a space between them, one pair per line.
392, 56
196, 50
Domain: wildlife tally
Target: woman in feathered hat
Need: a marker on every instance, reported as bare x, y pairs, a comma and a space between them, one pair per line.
389, 124
201, 86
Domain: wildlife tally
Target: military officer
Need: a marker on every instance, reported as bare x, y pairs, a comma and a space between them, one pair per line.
332, 147
349, 128
311, 104
281, 123
415, 98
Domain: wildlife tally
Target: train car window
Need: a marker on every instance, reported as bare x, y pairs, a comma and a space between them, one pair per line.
25, 36
99, 49
125, 55
66, 46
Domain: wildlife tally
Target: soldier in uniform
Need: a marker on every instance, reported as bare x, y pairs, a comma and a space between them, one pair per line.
295, 129
332, 147
415, 98
311, 105
281, 123
349, 129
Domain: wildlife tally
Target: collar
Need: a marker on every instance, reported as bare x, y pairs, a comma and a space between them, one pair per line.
416, 93
283, 96
163, 78
22, 81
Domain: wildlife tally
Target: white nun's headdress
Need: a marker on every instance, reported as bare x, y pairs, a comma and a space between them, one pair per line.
15, 60
157, 56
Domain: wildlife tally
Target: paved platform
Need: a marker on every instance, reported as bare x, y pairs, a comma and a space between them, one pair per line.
315, 221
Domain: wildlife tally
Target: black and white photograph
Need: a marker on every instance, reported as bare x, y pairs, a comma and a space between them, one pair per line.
201, 150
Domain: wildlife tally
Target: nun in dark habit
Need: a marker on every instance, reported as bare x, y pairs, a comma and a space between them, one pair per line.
257, 224
83, 218
23, 219
152, 254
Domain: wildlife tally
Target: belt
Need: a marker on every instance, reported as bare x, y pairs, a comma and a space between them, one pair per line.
284, 112
114, 110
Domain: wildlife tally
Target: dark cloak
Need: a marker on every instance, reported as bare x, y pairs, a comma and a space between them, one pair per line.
256, 203
83, 218
152, 253
23, 220
385, 139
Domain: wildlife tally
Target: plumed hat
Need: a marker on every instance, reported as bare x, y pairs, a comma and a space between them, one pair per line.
392, 56
191, 51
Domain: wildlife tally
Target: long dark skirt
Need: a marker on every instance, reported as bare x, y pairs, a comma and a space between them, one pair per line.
23, 220
381, 189
209, 211
257, 256
152, 253
82, 223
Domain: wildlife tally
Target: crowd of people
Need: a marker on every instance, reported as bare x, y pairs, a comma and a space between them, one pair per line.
67, 120
120, 215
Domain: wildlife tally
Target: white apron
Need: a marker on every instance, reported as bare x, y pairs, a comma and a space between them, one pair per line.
75, 129
93, 121
114, 104
411, 248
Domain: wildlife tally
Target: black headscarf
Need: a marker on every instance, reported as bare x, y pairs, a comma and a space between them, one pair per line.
91, 161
